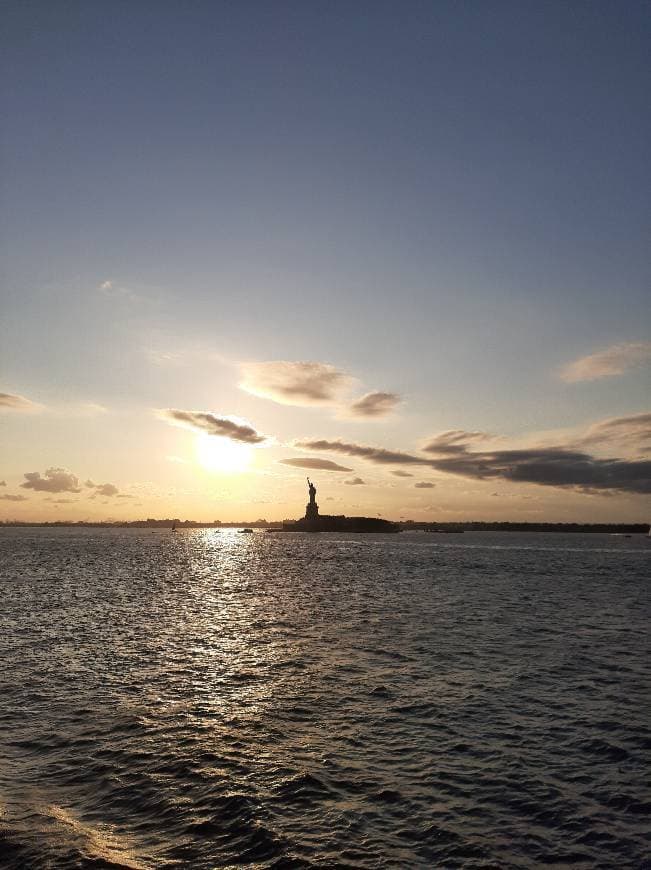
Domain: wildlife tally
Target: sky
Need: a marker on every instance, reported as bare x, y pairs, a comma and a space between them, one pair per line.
402, 248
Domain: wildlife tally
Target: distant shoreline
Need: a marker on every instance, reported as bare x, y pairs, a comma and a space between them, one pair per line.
473, 526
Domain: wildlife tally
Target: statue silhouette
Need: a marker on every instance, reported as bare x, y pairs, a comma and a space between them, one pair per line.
312, 508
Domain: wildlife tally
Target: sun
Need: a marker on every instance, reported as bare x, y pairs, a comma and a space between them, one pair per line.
222, 454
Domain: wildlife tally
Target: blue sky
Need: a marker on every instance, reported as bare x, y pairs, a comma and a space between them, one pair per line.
448, 201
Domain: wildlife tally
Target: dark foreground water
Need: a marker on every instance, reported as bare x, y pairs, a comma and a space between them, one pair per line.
208, 699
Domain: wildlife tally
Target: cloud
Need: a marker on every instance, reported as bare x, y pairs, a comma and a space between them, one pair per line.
14, 402
164, 357
107, 489
225, 427
552, 466
374, 405
356, 481
517, 495
9, 497
632, 432
125, 495
424, 485
294, 383
398, 472
372, 454
454, 441
118, 291
321, 464
613, 360
53, 480
547, 466
3, 482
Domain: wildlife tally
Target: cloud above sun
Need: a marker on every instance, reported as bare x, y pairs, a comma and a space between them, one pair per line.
607, 363
211, 424
305, 384
294, 383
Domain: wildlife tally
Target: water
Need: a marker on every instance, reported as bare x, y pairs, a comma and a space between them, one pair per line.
207, 699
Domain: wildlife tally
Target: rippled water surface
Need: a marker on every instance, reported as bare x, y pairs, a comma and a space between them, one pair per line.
208, 699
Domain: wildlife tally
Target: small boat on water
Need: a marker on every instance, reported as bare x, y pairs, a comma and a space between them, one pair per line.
246, 531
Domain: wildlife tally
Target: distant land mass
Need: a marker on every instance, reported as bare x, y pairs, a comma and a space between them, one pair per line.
313, 521
406, 525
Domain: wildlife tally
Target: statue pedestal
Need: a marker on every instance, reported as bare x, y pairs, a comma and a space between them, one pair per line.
312, 511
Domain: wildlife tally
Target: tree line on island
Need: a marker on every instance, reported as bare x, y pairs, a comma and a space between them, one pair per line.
405, 525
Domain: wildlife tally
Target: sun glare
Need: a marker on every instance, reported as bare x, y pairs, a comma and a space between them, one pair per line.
222, 454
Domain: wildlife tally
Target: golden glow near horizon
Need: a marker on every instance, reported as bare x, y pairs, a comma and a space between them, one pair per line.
221, 454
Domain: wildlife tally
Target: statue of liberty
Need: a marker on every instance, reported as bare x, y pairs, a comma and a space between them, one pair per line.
312, 509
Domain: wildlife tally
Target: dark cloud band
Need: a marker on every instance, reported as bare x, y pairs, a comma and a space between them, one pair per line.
546, 466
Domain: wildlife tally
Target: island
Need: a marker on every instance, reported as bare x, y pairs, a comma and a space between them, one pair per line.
313, 521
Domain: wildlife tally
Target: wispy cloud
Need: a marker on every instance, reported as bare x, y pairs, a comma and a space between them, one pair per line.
53, 480
632, 432
3, 482
356, 481
374, 405
398, 472
294, 383
424, 484
226, 427
379, 455
14, 402
316, 463
607, 363
115, 290
454, 441
164, 357
9, 497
